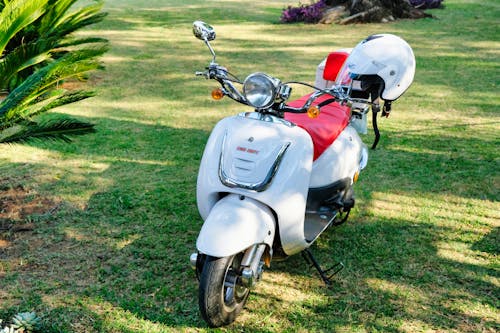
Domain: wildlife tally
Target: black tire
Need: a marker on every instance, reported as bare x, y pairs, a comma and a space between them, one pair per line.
221, 298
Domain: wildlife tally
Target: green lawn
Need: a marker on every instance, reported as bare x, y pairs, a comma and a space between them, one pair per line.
110, 220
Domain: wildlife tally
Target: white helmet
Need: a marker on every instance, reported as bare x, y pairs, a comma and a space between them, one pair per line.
383, 56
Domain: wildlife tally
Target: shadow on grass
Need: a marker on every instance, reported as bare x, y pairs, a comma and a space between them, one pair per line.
126, 253
395, 277
489, 243
175, 13
122, 260
394, 281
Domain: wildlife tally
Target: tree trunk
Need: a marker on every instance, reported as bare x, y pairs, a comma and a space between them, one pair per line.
377, 10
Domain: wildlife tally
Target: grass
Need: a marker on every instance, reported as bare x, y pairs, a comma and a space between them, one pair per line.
109, 250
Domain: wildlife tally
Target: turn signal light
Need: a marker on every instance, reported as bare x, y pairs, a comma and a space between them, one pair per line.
313, 111
217, 94
267, 259
356, 176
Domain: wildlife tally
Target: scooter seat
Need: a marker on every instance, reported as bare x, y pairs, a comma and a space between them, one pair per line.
326, 127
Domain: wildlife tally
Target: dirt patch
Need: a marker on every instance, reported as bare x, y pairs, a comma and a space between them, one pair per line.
3, 243
17, 204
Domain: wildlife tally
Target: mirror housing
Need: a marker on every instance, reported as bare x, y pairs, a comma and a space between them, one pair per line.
203, 31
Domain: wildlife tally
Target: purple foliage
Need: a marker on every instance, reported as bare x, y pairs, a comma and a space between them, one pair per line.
304, 13
425, 4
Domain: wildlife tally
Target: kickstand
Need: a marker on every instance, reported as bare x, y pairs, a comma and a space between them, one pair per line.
309, 258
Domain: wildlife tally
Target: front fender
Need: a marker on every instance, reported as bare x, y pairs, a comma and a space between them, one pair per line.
234, 224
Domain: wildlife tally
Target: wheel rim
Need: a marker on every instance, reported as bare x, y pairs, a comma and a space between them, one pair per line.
233, 292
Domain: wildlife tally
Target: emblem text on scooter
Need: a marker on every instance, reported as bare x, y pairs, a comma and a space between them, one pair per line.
248, 150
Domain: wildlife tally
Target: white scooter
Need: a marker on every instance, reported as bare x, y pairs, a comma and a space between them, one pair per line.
272, 180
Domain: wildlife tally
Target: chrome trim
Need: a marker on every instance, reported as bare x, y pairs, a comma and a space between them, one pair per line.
193, 260
248, 256
253, 271
267, 118
203, 31
258, 187
275, 83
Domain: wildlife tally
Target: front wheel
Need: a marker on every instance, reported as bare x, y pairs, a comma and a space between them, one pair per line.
221, 294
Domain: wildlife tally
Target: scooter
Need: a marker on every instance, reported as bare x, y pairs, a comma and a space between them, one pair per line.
272, 180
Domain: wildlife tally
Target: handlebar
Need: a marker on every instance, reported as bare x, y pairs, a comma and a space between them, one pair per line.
308, 103
282, 90
227, 81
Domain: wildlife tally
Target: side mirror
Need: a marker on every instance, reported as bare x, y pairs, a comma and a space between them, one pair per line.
203, 31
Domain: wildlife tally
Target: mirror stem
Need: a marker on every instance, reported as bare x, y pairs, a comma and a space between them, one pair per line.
211, 49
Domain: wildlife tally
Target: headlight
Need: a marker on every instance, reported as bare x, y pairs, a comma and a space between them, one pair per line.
260, 90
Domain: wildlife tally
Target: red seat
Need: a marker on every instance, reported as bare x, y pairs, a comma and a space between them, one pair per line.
326, 127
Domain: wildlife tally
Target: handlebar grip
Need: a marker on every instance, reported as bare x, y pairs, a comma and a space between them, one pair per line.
303, 109
326, 102
286, 108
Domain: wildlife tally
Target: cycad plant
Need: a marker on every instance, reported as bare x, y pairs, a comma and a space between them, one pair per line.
38, 53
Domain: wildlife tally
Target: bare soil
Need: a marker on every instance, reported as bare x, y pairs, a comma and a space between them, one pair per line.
17, 206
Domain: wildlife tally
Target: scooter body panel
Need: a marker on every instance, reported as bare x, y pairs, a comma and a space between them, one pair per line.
240, 145
234, 224
342, 159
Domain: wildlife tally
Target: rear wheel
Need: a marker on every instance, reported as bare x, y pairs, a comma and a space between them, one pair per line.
221, 293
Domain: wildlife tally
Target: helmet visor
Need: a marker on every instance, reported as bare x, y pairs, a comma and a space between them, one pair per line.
347, 79
344, 76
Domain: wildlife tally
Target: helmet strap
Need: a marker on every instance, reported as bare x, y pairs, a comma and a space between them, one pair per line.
386, 111
375, 111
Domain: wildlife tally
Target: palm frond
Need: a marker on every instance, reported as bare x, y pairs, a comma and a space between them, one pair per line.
68, 23
55, 10
24, 114
80, 19
66, 98
36, 85
56, 129
53, 100
16, 15
24, 56
67, 42
37, 54
46, 38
